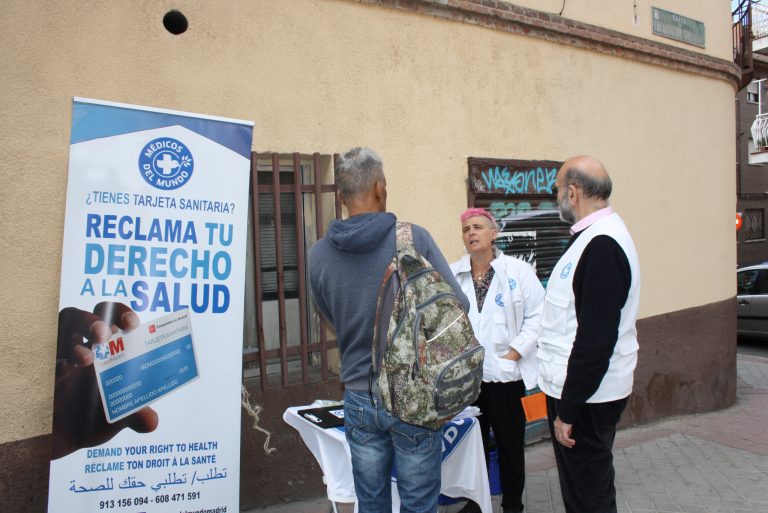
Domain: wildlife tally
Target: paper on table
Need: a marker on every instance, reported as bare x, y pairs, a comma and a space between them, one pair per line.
469, 411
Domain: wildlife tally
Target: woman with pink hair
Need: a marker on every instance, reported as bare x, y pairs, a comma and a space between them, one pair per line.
505, 304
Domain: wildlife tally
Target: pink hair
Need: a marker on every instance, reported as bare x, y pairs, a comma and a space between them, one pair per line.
474, 212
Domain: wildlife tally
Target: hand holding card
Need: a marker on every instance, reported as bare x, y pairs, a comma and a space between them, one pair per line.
79, 420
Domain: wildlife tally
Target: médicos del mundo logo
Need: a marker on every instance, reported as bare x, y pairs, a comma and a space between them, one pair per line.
166, 163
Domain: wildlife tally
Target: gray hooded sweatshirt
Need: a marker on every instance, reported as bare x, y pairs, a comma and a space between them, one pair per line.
346, 268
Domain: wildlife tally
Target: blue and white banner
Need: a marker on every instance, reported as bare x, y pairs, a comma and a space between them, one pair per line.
149, 345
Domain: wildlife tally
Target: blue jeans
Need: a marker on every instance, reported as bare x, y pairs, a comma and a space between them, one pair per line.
378, 442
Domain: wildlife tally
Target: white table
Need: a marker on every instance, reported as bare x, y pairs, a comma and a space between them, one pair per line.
463, 473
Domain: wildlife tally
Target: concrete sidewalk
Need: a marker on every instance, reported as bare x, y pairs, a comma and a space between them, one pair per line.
711, 463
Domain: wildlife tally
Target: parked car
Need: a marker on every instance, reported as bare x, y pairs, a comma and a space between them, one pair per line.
752, 297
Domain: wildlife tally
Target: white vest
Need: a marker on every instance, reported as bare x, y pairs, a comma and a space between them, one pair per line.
558, 324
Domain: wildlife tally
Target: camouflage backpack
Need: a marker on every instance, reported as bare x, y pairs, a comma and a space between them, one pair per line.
432, 365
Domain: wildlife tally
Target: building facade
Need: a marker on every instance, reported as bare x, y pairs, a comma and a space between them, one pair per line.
437, 88
752, 176
752, 159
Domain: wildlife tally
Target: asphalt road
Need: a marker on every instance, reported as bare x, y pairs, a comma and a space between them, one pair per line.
753, 347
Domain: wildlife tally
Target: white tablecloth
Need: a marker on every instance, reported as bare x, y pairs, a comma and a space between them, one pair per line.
463, 471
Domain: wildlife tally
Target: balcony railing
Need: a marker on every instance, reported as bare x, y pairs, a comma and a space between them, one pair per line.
758, 146
742, 40
759, 15
760, 131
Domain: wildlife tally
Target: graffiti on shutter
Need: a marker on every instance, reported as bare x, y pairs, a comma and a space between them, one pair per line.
519, 193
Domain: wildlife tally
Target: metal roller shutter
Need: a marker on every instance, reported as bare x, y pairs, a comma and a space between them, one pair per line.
519, 194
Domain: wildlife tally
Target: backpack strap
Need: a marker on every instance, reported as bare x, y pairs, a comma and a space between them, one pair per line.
404, 240
404, 236
391, 269
405, 247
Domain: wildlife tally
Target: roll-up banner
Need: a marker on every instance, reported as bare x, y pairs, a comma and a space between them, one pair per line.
146, 414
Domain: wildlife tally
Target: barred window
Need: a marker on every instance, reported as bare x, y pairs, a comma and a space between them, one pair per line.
293, 200
753, 224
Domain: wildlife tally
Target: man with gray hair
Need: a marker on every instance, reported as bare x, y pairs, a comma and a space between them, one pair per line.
588, 341
346, 268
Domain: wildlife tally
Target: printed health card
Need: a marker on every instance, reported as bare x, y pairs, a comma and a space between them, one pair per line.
138, 367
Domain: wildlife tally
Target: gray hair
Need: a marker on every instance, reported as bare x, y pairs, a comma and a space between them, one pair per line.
492, 224
357, 170
592, 187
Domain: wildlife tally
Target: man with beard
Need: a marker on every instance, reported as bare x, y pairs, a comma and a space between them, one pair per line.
588, 342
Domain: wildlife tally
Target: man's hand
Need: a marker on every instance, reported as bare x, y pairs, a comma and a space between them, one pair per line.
563, 433
78, 416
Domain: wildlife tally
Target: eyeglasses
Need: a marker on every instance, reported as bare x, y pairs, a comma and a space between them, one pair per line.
556, 189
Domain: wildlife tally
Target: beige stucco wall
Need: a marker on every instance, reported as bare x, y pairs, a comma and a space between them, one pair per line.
634, 17
324, 75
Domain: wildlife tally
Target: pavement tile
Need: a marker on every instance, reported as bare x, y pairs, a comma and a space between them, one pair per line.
713, 462
738, 503
693, 508
632, 494
719, 508
686, 498
640, 505
666, 506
